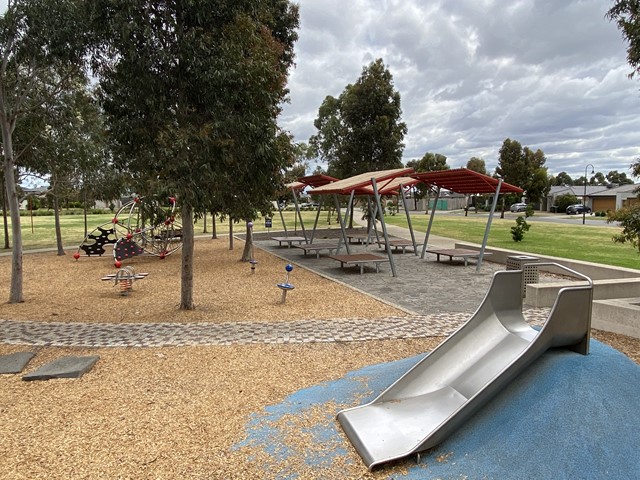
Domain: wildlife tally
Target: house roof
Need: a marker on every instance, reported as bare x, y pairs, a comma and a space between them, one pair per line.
610, 192
463, 180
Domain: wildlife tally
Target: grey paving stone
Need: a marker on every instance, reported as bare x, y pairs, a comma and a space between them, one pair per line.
14, 362
65, 367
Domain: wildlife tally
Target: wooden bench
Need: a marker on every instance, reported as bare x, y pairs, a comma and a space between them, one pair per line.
317, 248
357, 238
288, 240
452, 253
360, 259
398, 244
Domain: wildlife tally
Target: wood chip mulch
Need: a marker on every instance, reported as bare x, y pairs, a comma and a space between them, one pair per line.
173, 413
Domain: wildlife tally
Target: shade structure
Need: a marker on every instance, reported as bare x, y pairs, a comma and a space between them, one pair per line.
298, 187
314, 181
390, 187
358, 182
463, 180
369, 183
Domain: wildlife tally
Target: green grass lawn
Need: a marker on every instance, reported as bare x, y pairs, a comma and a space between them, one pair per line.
578, 242
39, 231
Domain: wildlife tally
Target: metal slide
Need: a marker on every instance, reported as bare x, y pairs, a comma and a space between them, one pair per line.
444, 389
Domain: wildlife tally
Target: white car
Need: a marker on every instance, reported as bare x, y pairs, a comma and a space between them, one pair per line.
518, 207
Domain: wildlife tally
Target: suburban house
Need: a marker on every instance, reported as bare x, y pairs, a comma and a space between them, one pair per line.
599, 198
614, 198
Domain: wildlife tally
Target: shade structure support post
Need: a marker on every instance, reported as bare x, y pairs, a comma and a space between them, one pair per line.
347, 214
374, 184
299, 213
284, 224
315, 224
433, 213
373, 214
343, 230
406, 211
488, 227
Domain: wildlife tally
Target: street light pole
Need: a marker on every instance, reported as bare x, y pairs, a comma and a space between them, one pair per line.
584, 197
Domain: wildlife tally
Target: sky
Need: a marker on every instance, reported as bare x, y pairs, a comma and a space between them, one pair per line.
551, 74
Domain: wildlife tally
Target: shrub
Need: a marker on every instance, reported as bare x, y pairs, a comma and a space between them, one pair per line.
629, 218
563, 201
517, 232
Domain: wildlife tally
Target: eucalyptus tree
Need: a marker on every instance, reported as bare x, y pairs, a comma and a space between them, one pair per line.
361, 130
563, 179
477, 165
192, 90
429, 162
524, 168
42, 48
64, 142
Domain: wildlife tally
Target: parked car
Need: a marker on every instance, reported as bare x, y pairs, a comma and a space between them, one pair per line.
518, 207
577, 208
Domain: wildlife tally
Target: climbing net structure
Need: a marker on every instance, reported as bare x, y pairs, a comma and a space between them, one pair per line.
142, 225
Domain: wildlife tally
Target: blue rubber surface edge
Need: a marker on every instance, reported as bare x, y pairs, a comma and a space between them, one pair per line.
567, 416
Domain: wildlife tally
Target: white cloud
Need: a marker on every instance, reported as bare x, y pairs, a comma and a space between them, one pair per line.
552, 75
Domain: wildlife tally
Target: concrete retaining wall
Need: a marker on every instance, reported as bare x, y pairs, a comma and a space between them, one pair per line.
617, 315
594, 271
544, 294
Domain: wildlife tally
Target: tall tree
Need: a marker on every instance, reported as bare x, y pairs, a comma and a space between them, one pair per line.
192, 90
525, 168
477, 165
626, 14
60, 140
563, 179
42, 47
428, 163
361, 130
618, 178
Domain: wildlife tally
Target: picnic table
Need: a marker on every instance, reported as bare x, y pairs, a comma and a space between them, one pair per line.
288, 240
317, 248
452, 253
360, 259
357, 238
398, 244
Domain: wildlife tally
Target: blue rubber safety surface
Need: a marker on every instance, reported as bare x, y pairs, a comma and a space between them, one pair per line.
567, 416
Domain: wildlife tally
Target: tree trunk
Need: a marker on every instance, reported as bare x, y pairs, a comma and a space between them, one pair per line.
84, 211
56, 217
214, 233
7, 244
204, 223
230, 233
186, 290
15, 293
248, 246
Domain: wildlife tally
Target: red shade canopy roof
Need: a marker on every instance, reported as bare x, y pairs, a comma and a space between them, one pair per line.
311, 181
359, 182
463, 180
391, 187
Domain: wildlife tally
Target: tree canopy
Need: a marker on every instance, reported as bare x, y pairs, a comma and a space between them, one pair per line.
525, 168
361, 130
626, 14
192, 90
42, 48
477, 165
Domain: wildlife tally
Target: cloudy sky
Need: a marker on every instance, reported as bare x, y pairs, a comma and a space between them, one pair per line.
551, 74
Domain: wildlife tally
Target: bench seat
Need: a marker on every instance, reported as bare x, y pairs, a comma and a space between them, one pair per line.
452, 253
360, 259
